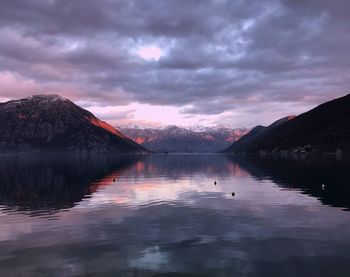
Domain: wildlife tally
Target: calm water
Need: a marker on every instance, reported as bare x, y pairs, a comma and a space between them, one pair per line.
163, 216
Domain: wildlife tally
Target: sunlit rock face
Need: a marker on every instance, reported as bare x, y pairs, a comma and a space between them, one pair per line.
177, 139
44, 123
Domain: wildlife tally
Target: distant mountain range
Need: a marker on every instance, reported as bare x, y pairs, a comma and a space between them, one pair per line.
44, 123
178, 139
50, 123
325, 128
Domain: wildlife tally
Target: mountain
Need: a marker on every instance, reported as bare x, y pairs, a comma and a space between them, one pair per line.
177, 139
44, 123
325, 128
257, 132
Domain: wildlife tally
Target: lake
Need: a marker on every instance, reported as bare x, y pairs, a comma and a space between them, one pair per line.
163, 215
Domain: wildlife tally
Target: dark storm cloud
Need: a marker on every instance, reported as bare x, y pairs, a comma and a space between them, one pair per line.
218, 55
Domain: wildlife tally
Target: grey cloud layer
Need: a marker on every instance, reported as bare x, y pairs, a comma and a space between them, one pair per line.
219, 55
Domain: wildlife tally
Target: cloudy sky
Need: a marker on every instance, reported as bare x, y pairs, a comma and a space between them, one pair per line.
238, 63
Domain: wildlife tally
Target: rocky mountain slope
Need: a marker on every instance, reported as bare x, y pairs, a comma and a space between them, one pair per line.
44, 123
177, 139
257, 132
325, 128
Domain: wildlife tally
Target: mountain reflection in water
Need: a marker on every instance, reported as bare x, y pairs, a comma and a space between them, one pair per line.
46, 184
162, 215
326, 178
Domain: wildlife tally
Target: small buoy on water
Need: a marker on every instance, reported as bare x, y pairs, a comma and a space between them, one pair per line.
233, 194
113, 180
215, 183
323, 186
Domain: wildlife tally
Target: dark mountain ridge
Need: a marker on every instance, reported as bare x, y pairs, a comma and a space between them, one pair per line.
259, 131
50, 123
325, 128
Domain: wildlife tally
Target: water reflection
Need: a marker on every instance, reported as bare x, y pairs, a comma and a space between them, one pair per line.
326, 177
46, 184
176, 166
164, 216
